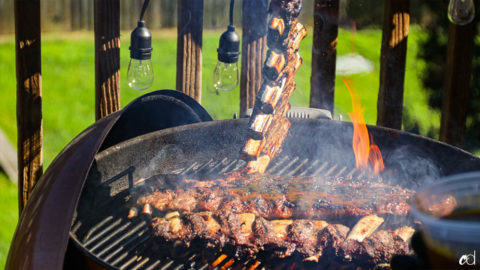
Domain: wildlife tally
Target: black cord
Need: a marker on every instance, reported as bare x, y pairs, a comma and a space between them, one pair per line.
232, 3
144, 8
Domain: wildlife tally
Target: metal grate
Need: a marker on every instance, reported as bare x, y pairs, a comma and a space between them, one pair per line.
121, 243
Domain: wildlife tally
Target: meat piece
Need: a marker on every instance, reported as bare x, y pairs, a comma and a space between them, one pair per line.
209, 200
274, 64
304, 234
278, 25
147, 209
375, 249
277, 197
284, 36
365, 227
313, 239
251, 150
238, 227
183, 200
443, 206
159, 200
260, 164
270, 94
404, 233
171, 228
331, 238
259, 126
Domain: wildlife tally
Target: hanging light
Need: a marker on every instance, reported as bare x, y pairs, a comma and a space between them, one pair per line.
461, 12
225, 75
140, 69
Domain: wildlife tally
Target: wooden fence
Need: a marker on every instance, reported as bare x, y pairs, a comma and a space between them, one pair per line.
67, 15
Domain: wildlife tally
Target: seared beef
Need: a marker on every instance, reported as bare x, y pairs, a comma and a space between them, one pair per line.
274, 197
268, 126
314, 240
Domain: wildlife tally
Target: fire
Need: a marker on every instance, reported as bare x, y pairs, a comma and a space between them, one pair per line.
366, 152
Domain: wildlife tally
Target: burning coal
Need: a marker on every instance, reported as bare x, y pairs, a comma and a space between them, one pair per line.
366, 152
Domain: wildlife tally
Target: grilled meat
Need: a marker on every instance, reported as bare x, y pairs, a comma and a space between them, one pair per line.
364, 227
274, 197
268, 125
312, 239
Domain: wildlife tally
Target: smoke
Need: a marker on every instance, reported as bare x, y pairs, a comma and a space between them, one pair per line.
411, 166
168, 154
352, 63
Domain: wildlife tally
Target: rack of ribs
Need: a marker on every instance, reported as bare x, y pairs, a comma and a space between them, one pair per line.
314, 240
283, 214
283, 197
268, 126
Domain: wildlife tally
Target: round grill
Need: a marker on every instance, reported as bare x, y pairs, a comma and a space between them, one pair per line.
102, 230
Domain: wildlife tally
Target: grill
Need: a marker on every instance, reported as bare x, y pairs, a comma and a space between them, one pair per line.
118, 242
102, 230
90, 220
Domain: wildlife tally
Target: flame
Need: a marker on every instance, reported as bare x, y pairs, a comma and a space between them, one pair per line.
366, 152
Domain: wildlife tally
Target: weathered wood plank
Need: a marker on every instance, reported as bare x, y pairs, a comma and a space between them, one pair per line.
254, 44
189, 48
392, 63
8, 158
29, 96
324, 53
457, 83
107, 57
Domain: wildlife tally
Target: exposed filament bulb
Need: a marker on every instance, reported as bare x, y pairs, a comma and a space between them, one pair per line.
461, 12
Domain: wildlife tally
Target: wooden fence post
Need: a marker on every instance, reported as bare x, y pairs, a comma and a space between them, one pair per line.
254, 44
324, 53
107, 57
392, 63
189, 48
457, 83
29, 96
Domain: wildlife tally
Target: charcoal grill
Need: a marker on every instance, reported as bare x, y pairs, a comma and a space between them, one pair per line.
115, 241
100, 228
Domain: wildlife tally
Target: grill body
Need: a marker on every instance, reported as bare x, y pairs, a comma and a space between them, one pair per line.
313, 148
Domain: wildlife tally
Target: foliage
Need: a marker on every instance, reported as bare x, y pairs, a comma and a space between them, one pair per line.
433, 48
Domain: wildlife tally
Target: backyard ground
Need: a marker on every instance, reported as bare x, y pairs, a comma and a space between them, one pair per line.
68, 91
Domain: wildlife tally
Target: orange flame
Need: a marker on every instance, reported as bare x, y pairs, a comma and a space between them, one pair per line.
366, 152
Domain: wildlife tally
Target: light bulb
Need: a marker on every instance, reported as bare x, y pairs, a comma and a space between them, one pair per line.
140, 74
461, 12
225, 76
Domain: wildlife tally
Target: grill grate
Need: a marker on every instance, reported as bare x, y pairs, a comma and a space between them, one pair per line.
121, 243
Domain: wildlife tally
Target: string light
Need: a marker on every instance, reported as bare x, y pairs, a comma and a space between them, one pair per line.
140, 69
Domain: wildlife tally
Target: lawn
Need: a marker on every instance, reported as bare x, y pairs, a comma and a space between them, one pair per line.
68, 91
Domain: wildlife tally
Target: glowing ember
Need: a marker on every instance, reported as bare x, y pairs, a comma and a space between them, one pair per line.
366, 152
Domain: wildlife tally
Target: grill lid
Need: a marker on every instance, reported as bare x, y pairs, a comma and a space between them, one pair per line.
42, 234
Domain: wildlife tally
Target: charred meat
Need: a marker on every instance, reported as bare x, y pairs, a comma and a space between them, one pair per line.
268, 125
312, 239
274, 197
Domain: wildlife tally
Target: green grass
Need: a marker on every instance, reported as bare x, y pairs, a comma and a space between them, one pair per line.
9, 216
68, 90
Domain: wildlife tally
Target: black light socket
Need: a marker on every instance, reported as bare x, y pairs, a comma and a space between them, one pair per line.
228, 49
141, 42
